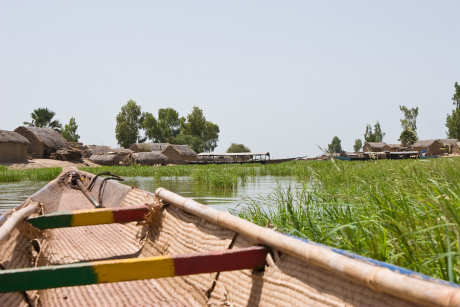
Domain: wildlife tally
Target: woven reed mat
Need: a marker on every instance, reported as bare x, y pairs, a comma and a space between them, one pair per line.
15, 253
287, 281
89, 243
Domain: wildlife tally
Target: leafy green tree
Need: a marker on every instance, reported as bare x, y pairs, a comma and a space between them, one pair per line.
128, 124
43, 117
234, 148
165, 128
409, 125
453, 120
374, 134
194, 142
335, 146
152, 129
196, 125
193, 130
358, 145
408, 137
70, 131
409, 122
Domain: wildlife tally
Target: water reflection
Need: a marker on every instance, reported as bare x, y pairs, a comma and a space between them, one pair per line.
13, 194
220, 199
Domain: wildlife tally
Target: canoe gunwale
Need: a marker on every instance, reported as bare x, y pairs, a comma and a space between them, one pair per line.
413, 287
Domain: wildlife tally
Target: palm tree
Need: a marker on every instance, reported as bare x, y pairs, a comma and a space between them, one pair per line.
42, 117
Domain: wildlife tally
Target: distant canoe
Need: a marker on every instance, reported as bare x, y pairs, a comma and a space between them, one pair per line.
268, 161
145, 249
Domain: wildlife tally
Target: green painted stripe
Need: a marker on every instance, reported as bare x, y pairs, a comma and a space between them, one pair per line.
47, 277
53, 220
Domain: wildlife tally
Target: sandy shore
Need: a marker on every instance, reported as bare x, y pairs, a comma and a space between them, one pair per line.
46, 163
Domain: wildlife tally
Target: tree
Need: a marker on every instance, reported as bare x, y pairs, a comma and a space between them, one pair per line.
165, 128
128, 124
194, 142
408, 137
453, 120
409, 125
358, 145
195, 124
335, 146
234, 148
43, 117
409, 122
70, 131
374, 135
193, 130
152, 130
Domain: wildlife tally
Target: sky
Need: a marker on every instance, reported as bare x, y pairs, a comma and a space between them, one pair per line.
278, 76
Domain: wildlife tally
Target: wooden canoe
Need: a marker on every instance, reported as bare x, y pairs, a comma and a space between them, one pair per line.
148, 249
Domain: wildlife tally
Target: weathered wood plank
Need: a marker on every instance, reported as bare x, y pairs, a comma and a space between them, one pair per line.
130, 269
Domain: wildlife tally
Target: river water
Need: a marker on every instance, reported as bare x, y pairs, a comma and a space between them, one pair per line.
13, 194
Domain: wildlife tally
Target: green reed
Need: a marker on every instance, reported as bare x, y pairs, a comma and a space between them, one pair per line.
15, 175
402, 212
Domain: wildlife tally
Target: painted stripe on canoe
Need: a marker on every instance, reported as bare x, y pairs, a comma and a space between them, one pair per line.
130, 269
89, 217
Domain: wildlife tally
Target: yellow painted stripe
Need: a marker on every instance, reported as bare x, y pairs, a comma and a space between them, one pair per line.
134, 269
92, 217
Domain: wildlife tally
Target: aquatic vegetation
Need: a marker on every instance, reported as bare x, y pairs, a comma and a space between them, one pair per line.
402, 212
15, 175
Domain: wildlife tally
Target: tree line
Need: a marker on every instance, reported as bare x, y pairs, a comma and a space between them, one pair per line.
408, 122
135, 126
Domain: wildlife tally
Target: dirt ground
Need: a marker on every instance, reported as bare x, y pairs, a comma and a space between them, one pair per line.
46, 163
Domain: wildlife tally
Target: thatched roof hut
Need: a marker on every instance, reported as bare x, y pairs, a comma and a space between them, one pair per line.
43, 141
175, 153
13, 147
449, 144
105, 159
375, 147
99, 149
146, 147
456, 149
186, 152
396, 147
149, 158
430, 147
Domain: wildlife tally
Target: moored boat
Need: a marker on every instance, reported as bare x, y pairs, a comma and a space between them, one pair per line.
88, 240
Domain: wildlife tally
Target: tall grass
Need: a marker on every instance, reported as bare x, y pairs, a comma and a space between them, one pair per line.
402, 212
15, 175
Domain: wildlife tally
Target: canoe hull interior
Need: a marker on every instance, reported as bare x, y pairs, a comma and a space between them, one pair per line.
285, 279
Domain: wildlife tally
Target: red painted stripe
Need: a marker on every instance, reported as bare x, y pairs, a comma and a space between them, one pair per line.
229, 260
129, 214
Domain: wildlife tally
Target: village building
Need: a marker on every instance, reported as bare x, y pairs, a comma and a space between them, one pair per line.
430, 147
42, 141
456, 149
185, 152
147, 147
175, 153
375, 147
13, 147
396, 147
149, 158
448, 144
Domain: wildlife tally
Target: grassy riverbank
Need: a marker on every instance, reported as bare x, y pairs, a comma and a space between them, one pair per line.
38, 174
402, 212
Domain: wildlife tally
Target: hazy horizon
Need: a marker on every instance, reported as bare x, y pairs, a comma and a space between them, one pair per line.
278, 77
